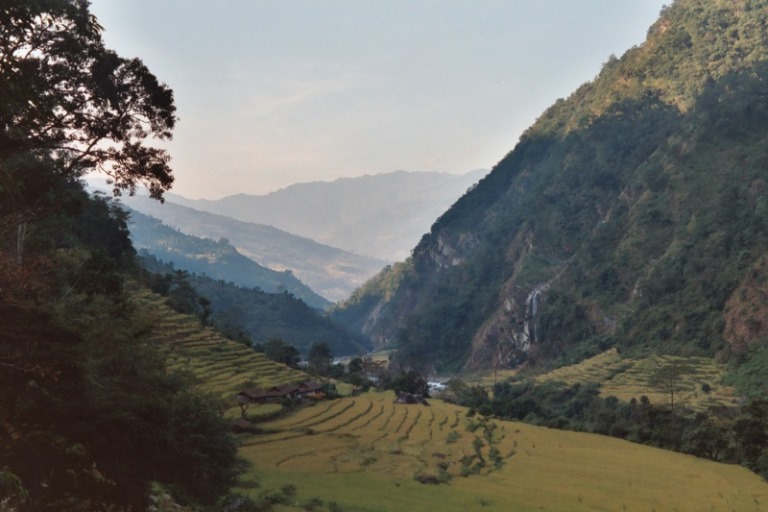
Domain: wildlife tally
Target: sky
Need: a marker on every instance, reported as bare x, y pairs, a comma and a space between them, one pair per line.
275, 92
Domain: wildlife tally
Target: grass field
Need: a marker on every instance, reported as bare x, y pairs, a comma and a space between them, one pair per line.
367, 453
222, 366
627, 378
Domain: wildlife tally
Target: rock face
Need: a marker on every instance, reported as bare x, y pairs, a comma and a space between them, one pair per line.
633, 213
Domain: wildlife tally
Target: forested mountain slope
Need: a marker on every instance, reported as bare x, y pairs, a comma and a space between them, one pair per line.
631, 214
331, 272
216, 259
247, 313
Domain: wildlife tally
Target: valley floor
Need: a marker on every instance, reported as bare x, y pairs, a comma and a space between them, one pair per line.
367, 453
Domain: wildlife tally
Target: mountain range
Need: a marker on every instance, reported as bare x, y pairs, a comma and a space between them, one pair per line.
633, 214
330, 272
217, 259
333, 236
381, 216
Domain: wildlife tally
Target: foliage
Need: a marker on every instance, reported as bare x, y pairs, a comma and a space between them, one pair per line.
87, 397
720, 434
407, 382
320, 359
638, 204
278, 350
76, 104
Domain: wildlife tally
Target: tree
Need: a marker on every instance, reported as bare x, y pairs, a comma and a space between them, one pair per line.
278, 350
667, 378
320, 358
71, 106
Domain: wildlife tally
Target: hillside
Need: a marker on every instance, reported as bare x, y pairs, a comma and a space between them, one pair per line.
220, 366
247, 313
381, 216
631, 214
216, 259
367, 453
332, 273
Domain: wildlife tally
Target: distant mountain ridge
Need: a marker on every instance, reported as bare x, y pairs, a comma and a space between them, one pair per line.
215, 259
331, 272
381, 216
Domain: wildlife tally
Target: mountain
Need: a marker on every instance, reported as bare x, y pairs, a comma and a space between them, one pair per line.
381, 216
632, 214
238, 310
216, 259
331, 272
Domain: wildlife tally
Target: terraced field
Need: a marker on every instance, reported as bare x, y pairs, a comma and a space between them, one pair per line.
367, 453
627, 378
222, 366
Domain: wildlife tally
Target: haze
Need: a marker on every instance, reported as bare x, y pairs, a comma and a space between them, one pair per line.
276, 92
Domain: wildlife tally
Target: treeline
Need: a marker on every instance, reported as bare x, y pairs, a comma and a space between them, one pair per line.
724, 434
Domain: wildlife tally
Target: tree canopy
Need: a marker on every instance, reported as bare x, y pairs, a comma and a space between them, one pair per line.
69, 101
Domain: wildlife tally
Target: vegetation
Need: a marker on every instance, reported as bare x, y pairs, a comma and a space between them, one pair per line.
217, 259
251, 314
368, 453
85, 395
630, 215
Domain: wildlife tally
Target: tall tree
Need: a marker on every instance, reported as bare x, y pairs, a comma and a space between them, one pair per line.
70, 106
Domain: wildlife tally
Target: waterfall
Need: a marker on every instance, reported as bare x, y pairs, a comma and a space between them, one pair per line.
531, 308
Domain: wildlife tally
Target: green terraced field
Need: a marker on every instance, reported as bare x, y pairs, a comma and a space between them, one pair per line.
366, 453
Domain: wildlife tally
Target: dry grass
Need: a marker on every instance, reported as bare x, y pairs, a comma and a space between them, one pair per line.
366, 453
222, 366
627, 378
367, 457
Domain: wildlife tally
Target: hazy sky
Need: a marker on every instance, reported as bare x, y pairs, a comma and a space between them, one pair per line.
274, 92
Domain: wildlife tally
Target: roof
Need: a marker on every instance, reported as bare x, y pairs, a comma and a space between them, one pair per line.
256, 394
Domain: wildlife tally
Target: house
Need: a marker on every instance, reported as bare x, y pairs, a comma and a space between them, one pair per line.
275, 394
409, 398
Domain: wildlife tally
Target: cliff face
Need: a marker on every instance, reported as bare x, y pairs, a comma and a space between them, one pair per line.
629, 214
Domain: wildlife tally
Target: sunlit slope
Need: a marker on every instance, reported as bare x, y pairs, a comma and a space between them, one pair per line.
222, 366
697, 383
369, 454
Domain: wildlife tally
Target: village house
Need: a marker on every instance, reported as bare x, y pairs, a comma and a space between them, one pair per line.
275, 394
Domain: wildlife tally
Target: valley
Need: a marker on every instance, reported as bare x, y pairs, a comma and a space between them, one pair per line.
594, 307
368, 453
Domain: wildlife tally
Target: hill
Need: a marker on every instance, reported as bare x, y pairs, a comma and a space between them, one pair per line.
332, 273
216, 259
220, 366
259, 316
380, 216
631, 214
